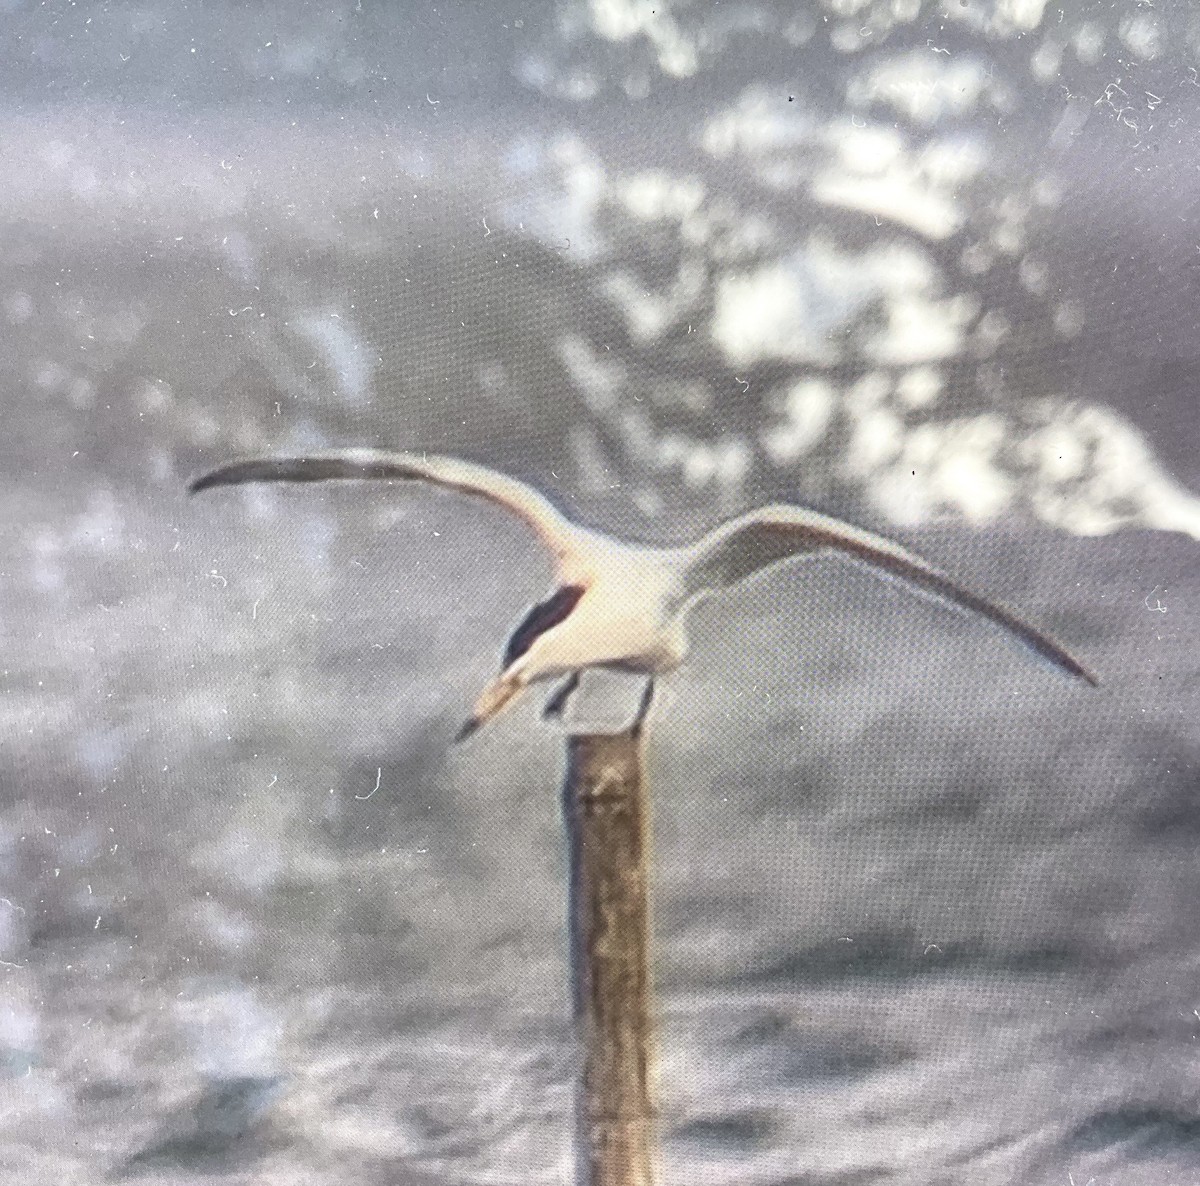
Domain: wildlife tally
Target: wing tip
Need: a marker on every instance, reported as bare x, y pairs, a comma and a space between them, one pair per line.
1067, 664
204, 482
283, 468
322, 465
229, 474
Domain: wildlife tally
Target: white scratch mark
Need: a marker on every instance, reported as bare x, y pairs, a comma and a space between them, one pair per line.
1158, 606
378, 780
487, 228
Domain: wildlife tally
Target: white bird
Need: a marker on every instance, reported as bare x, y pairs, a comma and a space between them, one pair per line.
620, 605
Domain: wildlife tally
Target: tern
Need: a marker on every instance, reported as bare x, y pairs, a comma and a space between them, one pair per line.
620, 605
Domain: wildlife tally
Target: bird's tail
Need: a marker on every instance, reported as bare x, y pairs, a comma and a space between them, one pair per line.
495, 697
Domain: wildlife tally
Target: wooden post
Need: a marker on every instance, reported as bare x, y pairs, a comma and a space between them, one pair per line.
607, 822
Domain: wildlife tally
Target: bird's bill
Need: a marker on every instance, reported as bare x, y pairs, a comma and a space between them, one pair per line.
493, 700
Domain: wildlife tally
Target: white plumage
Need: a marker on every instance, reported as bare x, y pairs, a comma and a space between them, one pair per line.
622, 605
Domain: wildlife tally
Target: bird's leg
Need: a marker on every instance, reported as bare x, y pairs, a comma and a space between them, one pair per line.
557, 703
643, 707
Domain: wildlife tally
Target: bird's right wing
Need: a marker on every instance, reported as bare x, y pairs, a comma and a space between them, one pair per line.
554, 529
745, 545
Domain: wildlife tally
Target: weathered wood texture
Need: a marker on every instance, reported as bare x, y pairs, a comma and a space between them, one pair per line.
607, 821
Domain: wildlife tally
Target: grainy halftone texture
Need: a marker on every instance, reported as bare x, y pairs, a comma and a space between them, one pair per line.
924, 912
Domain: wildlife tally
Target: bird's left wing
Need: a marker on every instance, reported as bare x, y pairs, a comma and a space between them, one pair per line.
745, 545
554, 529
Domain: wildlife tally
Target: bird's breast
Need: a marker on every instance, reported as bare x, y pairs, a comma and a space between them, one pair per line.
623, 625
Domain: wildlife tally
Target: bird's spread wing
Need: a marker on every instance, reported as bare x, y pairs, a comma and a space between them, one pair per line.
747, 544
554, 528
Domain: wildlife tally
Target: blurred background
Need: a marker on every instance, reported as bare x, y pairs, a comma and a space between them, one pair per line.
925, 913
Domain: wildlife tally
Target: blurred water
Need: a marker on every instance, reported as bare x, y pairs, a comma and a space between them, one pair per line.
923, 910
